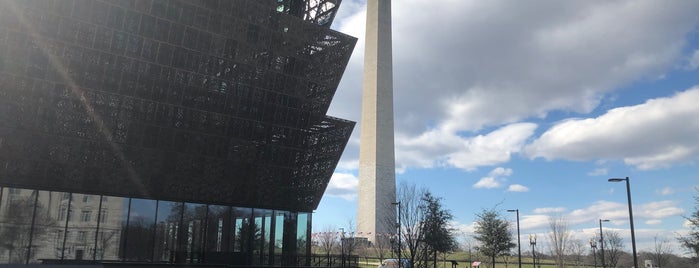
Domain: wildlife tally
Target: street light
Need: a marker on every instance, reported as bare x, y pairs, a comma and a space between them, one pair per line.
601, 240
633, 235
519, 248
532, 242
400, 261
342, 246
593, 245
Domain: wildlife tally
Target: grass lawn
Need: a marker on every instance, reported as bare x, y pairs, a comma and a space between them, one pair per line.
461, 258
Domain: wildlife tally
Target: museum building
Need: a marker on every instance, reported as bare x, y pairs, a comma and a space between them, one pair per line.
166, 131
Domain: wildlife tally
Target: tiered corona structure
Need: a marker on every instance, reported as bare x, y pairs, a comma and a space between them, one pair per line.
200, 126
377, 182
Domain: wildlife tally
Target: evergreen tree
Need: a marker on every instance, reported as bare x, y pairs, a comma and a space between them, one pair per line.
493, 233
439, 237
691, 240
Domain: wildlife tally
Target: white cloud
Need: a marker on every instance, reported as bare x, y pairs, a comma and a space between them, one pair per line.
343, 185
598, 172
465, 229
618, 213
658, 210
500, 172
437, 148
654, 222
496, 178
693, 61
665, 191
506, 62
536, 221
494, 148
517, 188
600, 210
637, 134
550, 210
487, 183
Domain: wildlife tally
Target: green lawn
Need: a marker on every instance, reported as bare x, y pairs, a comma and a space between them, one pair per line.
371, 261
461, 258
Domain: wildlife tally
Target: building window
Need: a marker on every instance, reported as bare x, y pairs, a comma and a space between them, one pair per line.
62, 214
86, 198
103, 216
59, 238
14, 191
82, 236
66, 196
85, 215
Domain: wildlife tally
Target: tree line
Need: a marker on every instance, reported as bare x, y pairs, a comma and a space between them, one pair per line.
426, 232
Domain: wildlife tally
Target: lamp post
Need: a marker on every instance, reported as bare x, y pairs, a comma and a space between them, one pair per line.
601, 240
532, 242
400, 261
633, 235
593, 245
519, 248
342, 246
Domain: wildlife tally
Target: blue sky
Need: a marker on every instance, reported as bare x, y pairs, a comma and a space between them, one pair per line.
533, 105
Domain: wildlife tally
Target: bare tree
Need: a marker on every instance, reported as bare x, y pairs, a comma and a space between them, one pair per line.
507, 258
690, 242
327, 240
577, 250
16, 226
380, 245
411, 220
559, 237
349, 241
468, 246
613, 245
383, 242
661, 251
104, 242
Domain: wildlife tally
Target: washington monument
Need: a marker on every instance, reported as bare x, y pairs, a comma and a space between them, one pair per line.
377, 180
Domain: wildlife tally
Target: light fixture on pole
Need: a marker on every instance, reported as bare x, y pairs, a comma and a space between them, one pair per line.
342, 246
400, 260
519, 248
601, 240
633, 233
532, 242
593, 245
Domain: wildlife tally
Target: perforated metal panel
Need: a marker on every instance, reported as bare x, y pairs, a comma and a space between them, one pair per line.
220, 102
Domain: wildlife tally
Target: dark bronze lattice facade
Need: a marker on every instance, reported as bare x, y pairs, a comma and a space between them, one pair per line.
219, 102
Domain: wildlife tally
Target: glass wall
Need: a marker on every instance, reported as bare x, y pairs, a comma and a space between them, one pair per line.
112, 218
302, 241
193, 224
140, 230
167, 230
17, 210
38, 226
218, 237
48, 232
278, 236
243, 234
262, 245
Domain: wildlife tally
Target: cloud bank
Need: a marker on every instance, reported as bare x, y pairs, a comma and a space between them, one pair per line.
469, 74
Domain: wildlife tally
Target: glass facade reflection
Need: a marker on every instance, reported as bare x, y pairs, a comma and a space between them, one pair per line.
45, 226
166, 131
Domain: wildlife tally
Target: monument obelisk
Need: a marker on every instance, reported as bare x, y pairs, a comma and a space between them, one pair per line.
377, 179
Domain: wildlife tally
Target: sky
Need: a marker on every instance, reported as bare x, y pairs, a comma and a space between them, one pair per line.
533, 105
